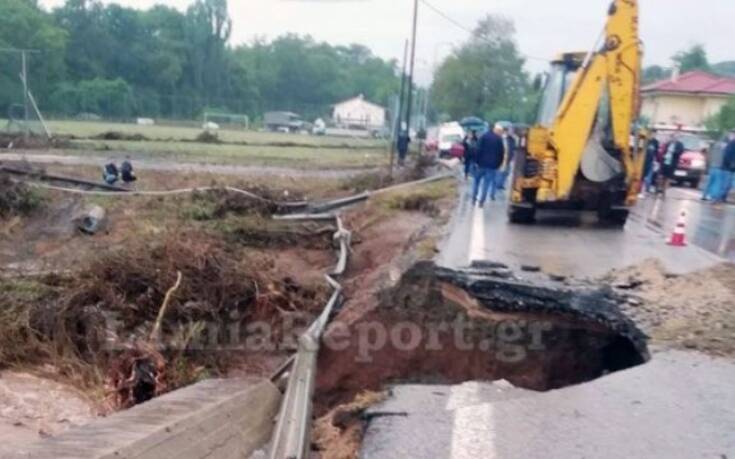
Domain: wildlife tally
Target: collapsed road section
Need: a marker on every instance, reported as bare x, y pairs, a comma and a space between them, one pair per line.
452, 326
443, 326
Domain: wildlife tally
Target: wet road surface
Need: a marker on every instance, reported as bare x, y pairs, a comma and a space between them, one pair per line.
710, 226
574, 244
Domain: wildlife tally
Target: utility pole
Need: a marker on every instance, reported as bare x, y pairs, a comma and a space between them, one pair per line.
24, 79
398, 117
413, 61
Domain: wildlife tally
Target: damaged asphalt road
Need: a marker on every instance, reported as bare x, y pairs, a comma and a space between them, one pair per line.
677, 404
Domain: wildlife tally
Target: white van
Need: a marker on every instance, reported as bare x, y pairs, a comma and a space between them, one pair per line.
450, 134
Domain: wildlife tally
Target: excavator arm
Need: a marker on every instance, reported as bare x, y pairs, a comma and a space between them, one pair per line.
623, 55
617, 68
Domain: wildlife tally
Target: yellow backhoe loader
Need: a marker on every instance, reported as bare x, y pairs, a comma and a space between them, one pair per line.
582, 153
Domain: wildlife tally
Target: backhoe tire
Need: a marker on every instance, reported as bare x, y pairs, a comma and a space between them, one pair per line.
521, 215
613, 217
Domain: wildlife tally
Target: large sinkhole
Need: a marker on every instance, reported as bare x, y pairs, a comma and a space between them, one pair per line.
444, 326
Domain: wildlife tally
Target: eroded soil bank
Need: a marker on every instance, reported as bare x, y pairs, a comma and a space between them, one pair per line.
445, 326
435, 325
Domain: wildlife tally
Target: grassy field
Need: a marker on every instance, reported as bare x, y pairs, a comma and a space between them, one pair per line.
256, 155
240, 147
88, 129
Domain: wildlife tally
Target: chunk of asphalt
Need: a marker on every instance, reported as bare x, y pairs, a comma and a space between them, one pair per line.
557, 277
486, 264
531, 268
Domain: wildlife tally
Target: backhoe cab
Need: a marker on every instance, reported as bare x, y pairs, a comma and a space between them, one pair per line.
580, 154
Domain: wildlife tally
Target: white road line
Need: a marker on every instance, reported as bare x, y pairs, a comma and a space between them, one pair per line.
691, 194
473, 429
477, 235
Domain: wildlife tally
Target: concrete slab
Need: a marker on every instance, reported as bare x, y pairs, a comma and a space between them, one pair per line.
680, 405
213, 419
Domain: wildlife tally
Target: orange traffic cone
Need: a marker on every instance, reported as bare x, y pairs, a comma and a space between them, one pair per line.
678, 237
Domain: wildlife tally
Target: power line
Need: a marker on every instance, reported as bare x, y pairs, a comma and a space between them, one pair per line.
459, 25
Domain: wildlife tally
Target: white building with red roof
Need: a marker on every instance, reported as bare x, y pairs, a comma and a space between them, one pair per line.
687, 100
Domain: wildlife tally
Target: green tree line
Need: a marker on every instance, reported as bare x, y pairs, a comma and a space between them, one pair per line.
485, 77
113, 61
693, 58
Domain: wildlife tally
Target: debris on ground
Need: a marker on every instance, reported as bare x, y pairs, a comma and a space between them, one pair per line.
690, 311
374, 180
97, 321
208, 137
116, 135
338, 434
31, 142
16, 198
423, 198
91, 220
135, 376
263, 232
220, 202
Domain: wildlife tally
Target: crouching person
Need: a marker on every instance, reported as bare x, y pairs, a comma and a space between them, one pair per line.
110, 173
126, 169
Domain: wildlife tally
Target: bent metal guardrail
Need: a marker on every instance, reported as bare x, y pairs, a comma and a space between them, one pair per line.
291, 438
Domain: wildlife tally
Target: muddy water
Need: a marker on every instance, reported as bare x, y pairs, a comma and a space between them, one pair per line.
33, 407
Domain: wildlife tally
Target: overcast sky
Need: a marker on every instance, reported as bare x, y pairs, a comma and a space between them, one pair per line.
544, 27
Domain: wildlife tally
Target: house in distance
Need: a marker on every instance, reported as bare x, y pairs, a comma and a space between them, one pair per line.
358, 113
686, 101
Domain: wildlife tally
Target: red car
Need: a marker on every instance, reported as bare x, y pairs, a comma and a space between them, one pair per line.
693, 162
456, 150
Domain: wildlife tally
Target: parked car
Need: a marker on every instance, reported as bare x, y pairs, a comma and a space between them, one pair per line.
450, 136
283, 122
693, 162
320, 127
457, 150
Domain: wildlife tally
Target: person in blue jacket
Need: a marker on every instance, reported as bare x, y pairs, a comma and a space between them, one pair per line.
490, 155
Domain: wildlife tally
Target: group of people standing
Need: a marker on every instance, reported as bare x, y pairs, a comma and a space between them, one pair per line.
488, 159
661, 164
659, 167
